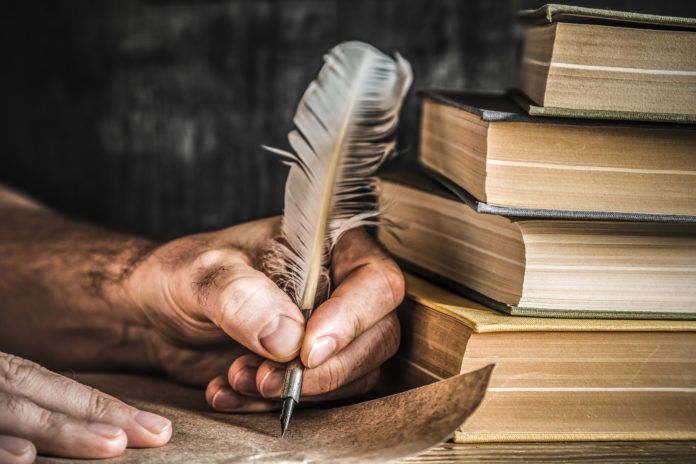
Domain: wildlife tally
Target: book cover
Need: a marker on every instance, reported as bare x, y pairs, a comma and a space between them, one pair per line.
455, 193
552, 12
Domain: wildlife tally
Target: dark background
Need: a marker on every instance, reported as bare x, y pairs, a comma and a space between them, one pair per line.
148, 115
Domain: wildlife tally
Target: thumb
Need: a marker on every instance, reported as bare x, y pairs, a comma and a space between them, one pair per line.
247, 305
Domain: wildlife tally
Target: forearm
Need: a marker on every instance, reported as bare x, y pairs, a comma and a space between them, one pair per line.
61, 298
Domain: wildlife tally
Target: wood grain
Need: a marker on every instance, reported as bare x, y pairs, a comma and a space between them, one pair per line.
581, 452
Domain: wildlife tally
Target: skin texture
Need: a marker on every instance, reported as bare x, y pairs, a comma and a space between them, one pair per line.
198, 309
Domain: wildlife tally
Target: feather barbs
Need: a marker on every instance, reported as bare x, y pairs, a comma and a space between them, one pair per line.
345, 125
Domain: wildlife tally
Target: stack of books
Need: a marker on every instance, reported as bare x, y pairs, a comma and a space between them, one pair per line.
555, 226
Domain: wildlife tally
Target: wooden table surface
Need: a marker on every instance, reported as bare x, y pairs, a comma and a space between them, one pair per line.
611, 452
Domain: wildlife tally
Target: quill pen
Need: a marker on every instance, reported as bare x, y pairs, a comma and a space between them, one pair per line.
344, 129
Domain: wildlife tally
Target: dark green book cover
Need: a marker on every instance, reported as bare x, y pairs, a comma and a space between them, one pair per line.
554, 13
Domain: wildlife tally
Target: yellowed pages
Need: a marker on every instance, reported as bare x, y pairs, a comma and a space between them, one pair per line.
583, 415
481, 319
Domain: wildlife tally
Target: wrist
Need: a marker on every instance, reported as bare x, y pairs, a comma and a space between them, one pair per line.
114, 283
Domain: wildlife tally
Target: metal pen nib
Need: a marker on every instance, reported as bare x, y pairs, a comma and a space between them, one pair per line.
292, 386
286, 415
291, 392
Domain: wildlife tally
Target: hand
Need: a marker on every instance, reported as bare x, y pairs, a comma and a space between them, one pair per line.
45, 411
203, 293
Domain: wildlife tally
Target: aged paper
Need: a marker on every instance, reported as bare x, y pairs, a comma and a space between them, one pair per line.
378, 430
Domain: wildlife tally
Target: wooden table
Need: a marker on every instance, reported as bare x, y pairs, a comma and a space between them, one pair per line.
611, 452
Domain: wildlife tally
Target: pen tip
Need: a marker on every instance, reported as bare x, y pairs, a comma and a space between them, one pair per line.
286, 415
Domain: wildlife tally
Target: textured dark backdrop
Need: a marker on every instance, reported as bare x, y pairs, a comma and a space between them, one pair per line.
148, 115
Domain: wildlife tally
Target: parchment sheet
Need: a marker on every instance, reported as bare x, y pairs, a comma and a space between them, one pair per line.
383, 429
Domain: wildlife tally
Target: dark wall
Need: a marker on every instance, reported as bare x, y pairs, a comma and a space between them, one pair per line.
148, 115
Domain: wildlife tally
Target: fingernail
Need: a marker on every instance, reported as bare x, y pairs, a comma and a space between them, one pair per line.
322, 349
14, 445
105, 430
282, 336
272, 383
244, 381
226, 400
152, 422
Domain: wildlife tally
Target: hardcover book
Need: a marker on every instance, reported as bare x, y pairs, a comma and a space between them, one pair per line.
604, 64
554, 379
542, 266
503, 157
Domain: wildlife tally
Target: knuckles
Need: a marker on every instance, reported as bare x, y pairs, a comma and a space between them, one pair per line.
227, 276
208, 259
51, 420
14, 406
215, 257
211, 260
392, 280
384, 343
16, 371
98, 404
333, 377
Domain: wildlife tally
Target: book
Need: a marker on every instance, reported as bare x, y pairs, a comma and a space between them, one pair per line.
595, 63
487, 145
554, 379
552, 12
541, 266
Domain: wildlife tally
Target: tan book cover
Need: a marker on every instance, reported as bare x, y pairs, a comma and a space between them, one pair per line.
482, 319
554, 379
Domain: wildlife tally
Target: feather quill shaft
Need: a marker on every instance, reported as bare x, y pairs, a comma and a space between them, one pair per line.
344, 123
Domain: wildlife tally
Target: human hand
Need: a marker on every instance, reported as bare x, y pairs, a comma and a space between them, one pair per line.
202, 292
44, 411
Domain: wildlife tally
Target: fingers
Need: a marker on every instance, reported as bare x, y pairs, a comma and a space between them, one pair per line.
242, 374
247, 305
38, 398
352, 371
250, 374
364, 355
221, 397
58, 393
58, 434
347, 338
14, 450
370, 286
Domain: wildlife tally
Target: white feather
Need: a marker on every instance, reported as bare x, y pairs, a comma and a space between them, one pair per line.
345, 123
